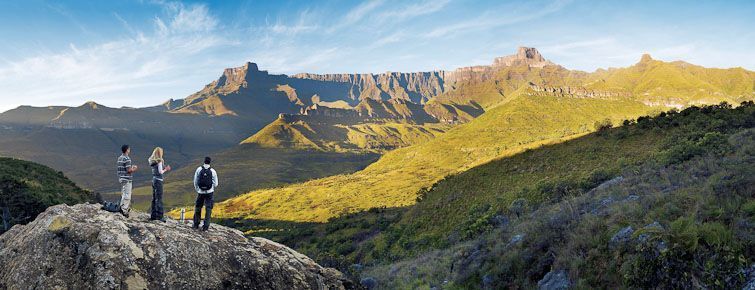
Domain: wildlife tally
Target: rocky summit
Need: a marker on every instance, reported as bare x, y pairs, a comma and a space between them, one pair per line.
84, 247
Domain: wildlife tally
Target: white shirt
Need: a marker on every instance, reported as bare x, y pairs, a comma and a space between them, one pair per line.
214, 179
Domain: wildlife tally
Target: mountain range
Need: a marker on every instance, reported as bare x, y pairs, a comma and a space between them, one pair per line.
521, 106
347, 113
374, 172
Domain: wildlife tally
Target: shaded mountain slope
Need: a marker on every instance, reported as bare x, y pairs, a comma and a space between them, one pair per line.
27, 188
246, 167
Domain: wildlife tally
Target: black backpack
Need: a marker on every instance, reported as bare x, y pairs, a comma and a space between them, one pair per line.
204, 181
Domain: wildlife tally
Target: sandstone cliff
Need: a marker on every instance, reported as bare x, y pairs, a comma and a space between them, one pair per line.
83, 247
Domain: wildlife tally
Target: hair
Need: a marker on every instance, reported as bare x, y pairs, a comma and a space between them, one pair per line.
157, 156
124, 148
207, 160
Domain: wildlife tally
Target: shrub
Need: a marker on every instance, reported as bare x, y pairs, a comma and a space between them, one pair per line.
518, 207
684, 234
603, 125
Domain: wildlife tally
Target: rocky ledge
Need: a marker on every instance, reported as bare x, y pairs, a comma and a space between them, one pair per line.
83, 247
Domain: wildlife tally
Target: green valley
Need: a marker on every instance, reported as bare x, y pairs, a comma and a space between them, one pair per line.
681, 180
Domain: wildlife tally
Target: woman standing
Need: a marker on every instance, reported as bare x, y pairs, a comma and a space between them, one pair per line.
158, 169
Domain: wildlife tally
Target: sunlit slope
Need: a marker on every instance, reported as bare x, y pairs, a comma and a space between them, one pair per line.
331, 136
394, 180
677, 83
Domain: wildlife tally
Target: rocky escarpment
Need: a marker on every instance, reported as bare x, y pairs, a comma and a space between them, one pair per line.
418, 87
83, 247
576, 92
524, 56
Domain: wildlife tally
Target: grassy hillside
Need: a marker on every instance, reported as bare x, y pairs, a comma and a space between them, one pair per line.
27, 189
508, 222
680, 216
395, 179
677, 83
329, 135
246, 167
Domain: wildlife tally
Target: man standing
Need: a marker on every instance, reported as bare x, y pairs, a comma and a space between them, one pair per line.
205, 182
125, 171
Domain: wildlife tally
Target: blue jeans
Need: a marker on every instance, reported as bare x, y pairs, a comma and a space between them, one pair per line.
157, 200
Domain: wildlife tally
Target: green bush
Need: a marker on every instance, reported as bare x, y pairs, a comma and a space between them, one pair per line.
684, 234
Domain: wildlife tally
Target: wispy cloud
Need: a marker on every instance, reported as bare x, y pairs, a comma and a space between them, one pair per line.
413, 10
493, 19
356, 14
109, 71
305, 22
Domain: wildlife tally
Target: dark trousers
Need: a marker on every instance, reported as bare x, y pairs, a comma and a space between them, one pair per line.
207, 200
157, 200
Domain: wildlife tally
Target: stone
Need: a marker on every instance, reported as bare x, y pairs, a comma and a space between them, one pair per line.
749, 274
487, 281
621, 237
516, 239
82, 247
554, 280
369, 283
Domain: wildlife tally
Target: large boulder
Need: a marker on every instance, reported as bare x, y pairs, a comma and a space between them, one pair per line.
83, 247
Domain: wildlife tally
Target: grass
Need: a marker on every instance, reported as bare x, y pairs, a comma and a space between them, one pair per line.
27, 189
690, 171
395, 179
329, 135
247, 167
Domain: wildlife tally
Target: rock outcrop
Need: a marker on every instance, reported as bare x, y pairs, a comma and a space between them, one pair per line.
83, 247
524, 56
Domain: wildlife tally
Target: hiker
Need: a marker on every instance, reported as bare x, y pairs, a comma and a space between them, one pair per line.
205, 182
125, 171
157, 163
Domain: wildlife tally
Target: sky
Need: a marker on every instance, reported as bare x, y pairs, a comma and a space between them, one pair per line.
142, 53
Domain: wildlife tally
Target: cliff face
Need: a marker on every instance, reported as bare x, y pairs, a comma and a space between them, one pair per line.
418, 87
83, 247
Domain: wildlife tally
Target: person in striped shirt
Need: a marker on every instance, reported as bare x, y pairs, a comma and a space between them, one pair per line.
125, 177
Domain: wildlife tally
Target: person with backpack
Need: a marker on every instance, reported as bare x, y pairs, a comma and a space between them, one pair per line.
205, 182
156, 161
125, 177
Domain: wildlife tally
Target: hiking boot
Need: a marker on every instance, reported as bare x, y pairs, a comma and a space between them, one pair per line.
162, 219
124, 213
205, 228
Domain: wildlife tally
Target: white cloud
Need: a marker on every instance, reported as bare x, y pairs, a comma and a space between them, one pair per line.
356, 14
493, 19
305, 23
110, 71
413, 10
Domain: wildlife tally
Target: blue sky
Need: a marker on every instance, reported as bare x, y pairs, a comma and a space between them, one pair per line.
141, 53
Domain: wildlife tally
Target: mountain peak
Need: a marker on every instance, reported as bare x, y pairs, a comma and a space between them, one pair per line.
524, 53
250, 66
529, 56
91, 105
239, 75
645, 58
